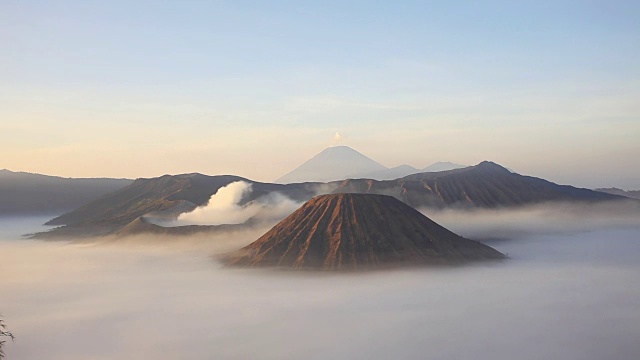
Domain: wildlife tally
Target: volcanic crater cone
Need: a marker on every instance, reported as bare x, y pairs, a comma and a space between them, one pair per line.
357, 231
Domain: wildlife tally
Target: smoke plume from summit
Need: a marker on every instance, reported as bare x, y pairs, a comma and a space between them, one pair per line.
225, 207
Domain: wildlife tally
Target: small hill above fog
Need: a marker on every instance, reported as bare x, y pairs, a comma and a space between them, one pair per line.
334, 163
143, 226
23, 193
358, 231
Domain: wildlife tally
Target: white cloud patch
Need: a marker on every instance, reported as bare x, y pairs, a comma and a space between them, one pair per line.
224, 207
337, 139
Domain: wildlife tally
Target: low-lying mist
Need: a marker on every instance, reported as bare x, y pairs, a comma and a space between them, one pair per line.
569, 290
549, 218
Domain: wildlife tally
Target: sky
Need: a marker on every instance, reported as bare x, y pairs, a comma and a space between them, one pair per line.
254, 88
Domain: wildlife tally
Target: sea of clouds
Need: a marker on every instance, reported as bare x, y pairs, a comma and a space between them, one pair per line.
566, 292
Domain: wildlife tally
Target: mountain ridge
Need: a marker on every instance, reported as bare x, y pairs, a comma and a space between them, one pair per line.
633, 194
486, 185
164, 193
343, 162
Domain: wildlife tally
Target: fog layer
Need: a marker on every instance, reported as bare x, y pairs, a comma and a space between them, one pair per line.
561, 295
550, 218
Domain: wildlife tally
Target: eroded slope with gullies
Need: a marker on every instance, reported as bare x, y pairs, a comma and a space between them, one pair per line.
358, 231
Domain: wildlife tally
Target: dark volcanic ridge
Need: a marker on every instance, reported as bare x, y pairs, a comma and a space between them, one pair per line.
358, 232
486, 185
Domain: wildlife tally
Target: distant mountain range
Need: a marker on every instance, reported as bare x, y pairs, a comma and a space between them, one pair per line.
441, 166
23, 193
634, 194
405, 170
342, 162
334, 163
486, 185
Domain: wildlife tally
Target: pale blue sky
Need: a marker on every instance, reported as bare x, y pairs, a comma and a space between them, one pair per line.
143, 88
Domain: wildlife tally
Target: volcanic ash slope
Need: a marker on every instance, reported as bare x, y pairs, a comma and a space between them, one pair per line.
358, 231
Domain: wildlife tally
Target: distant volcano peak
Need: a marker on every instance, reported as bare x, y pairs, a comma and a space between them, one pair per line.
358, 231
333, 163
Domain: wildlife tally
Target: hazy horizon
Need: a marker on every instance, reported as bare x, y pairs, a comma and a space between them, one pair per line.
605, 183
121, 89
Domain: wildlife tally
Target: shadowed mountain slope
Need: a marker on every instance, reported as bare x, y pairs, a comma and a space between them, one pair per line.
486, 185
357, 231
165, 194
